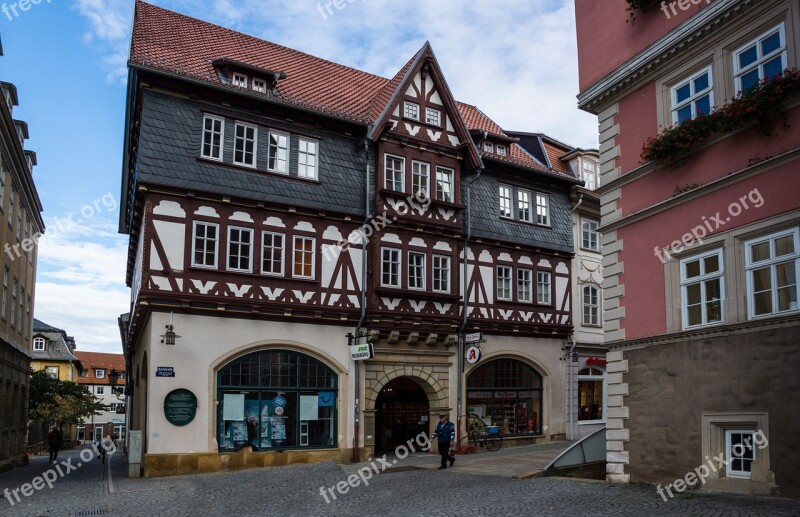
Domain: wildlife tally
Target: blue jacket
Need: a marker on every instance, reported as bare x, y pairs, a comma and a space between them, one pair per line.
445, 432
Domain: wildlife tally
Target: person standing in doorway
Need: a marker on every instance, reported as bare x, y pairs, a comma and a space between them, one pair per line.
54, 441
445, 434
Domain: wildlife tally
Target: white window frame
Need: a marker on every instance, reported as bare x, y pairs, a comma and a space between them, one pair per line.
441, 273
421, 278
750, 267
509, 279
596, 306
272, 247
205, 239
48, 370
239, 80
99, 373
259, 85
542, 203
303, 238
244, 141
594, 181
39, 344
402, 160
590, 232
524, 205
212, 132
435, 115
308, 169
239, 243
276, 148
398, 264
729, 456
506, 194
694, 96
411, 110
417, 168
502, 150
488, 147
544, 297
525, 278
445, 176
100, 390
702, 279
739, 72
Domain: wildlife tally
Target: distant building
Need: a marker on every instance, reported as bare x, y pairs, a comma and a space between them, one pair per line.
96, 371
53, 351
701, 238
20, 222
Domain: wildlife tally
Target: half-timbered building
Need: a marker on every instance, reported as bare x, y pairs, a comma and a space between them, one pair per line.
276, 202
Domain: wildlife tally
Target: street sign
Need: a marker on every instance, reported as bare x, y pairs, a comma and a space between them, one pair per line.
165, 371
472, 354
362, 352
473, 338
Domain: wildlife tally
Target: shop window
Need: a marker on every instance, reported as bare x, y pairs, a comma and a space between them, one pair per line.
276, 400
506, 393
591, 400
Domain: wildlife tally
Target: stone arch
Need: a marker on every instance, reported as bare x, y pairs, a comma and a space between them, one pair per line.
436, 392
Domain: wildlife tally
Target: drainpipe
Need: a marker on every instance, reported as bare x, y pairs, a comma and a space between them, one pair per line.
464, 310
357, 366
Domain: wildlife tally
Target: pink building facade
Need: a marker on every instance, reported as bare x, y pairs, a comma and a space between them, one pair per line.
701, 253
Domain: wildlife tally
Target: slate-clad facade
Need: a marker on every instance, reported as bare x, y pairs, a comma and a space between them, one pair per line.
251, 186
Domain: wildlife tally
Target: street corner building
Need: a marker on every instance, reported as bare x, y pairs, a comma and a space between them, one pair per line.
20, 212
277, 202
699, 125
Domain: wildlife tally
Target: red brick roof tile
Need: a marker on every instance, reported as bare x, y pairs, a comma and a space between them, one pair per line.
97, 360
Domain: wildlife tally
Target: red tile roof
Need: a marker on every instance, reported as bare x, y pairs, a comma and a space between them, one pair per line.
555, 153
171, 42
97, 360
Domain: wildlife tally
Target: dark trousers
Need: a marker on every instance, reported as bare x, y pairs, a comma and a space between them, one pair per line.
53, 452
444, 451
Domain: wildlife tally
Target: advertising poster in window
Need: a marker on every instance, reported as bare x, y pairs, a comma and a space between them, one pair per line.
266, 420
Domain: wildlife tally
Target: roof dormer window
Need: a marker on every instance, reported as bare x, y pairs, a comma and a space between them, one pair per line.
260, 85
502, 150
488, 147
239, 80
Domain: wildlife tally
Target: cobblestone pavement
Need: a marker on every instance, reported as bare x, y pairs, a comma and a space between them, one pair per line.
405, 489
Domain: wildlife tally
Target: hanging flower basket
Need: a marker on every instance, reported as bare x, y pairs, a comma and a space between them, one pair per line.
758, 108
635, 6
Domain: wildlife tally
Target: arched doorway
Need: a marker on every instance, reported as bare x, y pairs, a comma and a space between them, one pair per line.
402, 413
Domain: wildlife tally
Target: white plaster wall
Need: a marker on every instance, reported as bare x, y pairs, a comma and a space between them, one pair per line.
207, 343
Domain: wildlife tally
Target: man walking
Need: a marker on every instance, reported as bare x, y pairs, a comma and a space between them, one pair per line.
54, 441
445, 434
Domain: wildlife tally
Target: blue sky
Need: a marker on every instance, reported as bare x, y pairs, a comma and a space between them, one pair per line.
515, 59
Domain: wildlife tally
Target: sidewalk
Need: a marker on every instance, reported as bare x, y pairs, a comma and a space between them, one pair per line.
509, 462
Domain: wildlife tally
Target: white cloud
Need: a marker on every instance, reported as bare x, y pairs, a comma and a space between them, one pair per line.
81, 281
109, 27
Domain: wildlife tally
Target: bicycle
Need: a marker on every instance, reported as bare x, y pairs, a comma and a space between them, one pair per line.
479, 434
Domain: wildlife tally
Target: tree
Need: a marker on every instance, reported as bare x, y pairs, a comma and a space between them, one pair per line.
62, 403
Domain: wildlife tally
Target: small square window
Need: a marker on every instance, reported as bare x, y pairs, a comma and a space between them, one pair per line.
502, 150
412, 110
433, 117
260, 85
488, 147
239, 80
100, 374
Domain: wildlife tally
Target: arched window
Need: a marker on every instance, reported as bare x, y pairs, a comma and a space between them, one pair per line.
39, 344
506, 393
276, 399
591, 399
